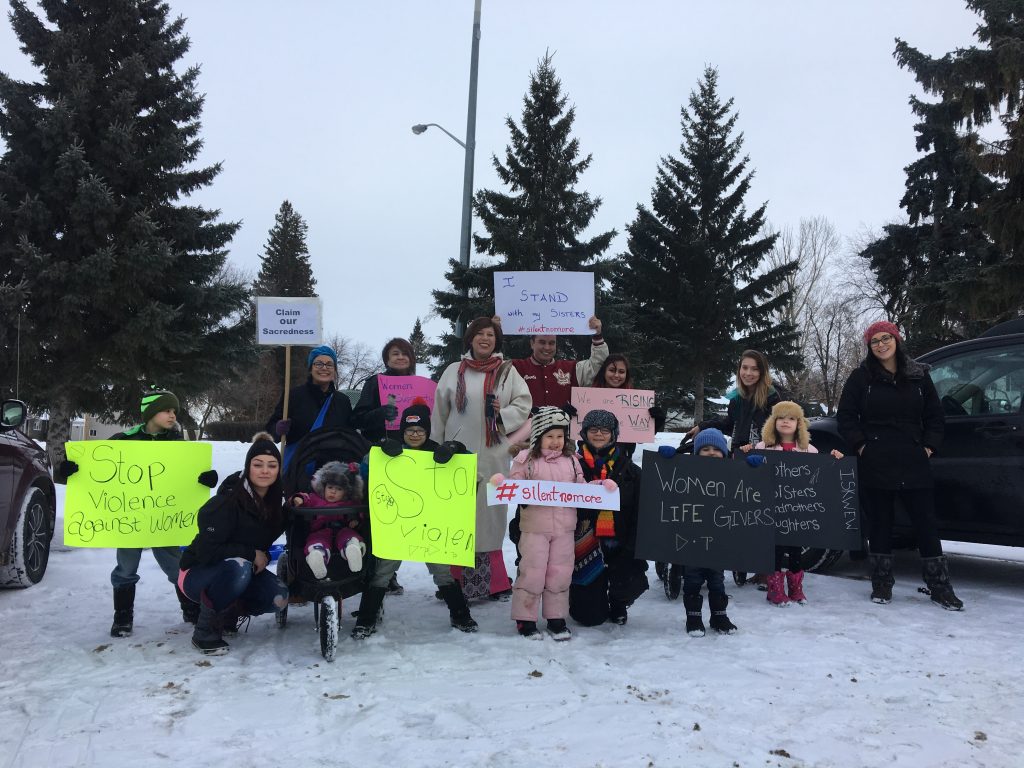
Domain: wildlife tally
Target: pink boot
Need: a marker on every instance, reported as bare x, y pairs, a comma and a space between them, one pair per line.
777, 589
795, 582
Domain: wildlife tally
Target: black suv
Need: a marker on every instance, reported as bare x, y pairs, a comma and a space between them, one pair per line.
27, 502
979, 470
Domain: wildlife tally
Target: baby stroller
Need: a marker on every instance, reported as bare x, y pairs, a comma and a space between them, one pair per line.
671, 574
312, 452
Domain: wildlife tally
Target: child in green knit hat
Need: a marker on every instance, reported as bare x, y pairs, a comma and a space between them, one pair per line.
159, 409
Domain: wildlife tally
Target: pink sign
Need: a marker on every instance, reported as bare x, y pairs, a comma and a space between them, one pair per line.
405, 389
630, 406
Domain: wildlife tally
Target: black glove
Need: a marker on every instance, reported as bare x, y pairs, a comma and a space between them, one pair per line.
444, 452
656, 412
208, 478
389, 411
570, 409
489, 406
391, 447
65, 470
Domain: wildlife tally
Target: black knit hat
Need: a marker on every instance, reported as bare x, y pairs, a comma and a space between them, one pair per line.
262, 445
600, 418
416, 415
156, 401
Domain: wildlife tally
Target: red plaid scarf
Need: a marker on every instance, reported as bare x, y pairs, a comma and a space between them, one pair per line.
489, 368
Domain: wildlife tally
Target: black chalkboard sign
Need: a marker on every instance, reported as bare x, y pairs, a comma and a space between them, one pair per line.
815, 499
706, 512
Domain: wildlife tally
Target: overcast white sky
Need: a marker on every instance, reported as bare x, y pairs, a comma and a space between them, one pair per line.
313, 102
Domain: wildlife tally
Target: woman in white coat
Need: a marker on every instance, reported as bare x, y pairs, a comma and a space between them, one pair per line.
480, 399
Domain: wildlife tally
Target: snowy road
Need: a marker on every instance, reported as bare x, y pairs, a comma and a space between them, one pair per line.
839, 682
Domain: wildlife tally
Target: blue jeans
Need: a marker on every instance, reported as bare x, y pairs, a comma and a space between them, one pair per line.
126, 572
693, 578
231, 580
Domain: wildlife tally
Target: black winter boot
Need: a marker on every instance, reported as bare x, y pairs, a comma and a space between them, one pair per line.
694, 605
458, 609
882, 579
189, 609
936, 576
617, 612
370, 605
558, 630
718, 602
206, 637
394, 588
124, 611
528, 629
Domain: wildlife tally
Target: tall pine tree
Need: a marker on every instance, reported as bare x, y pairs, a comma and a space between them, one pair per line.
285, 270
963, 252
539, 222
418, 340
694, 268
121, 278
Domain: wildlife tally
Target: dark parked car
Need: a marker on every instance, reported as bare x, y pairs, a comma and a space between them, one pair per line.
27, 502
979, 470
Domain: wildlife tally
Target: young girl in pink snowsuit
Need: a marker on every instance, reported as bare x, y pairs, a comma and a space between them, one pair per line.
334, 485
786, 430
547, 543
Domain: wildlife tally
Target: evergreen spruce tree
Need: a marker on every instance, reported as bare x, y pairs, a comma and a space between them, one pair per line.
694, 262
965, 245
419, 342
538, 223
120, 277
285, 270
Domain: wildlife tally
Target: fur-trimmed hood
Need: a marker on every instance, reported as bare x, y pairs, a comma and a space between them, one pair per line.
779, 410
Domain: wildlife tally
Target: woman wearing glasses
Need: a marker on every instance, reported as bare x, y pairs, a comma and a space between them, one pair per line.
315, 405
890, 414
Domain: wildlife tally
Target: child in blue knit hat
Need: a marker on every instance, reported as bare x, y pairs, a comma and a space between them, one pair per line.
710, 443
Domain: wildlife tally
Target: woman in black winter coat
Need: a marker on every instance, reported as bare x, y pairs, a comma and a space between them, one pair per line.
305, 403
890, 413
370, 417
750, 403
224, 569
607, 577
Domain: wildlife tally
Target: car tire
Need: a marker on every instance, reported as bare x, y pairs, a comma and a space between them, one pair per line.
819, 560
30, 544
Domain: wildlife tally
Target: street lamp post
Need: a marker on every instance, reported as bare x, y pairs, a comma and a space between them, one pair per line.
469, 146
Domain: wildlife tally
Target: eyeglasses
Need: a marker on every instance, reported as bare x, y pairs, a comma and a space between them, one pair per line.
416, 431
322, 365
883, 340
599, 431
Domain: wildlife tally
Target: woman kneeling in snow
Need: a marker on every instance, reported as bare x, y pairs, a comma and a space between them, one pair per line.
224, 569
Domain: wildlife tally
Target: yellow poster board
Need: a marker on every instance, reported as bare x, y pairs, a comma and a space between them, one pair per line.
421, 510
134, 494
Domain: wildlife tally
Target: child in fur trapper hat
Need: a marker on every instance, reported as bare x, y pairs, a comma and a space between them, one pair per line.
546, 543
786, 430
334, 485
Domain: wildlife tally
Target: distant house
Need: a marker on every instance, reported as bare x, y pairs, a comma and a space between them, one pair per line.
93, 428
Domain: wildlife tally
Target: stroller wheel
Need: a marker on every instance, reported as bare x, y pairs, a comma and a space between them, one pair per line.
329, 625
660, 569
673, 581
739, 577
282, 618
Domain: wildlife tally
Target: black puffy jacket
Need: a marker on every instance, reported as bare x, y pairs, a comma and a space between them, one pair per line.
230, 526
626, 475
743, 421
894, 419
368, 415
304, 404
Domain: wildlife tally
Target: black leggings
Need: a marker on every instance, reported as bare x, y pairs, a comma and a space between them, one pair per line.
920, 505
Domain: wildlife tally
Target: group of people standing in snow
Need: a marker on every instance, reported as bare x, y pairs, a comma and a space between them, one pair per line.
513, 415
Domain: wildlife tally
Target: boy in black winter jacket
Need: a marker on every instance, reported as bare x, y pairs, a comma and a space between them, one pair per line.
159, 422
607, 576
415, 430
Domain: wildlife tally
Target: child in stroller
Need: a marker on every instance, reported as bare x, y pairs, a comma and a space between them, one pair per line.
334, 485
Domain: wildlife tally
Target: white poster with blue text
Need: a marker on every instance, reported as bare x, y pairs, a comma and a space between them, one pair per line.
557, 303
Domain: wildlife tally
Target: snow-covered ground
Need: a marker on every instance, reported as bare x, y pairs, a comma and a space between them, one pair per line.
839, 682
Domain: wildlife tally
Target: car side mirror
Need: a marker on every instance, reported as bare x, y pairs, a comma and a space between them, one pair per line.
13, 414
